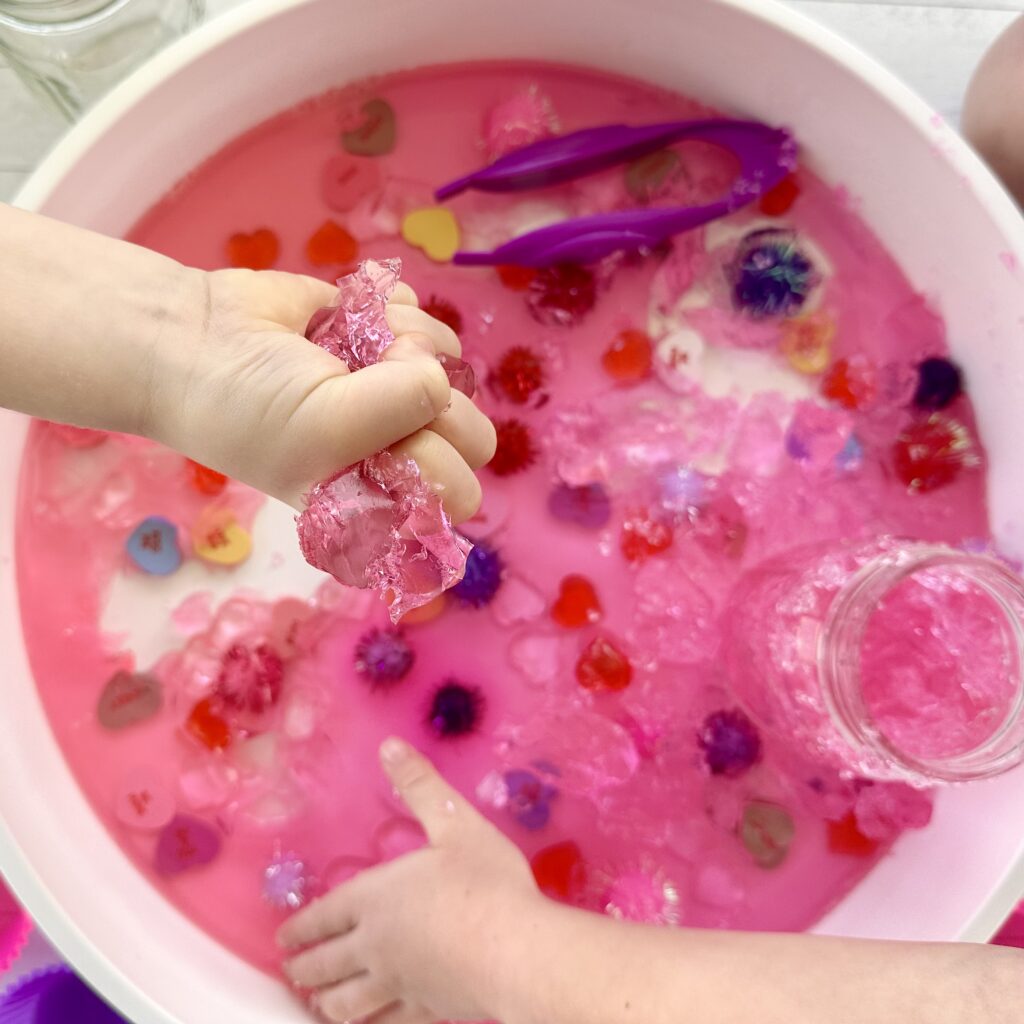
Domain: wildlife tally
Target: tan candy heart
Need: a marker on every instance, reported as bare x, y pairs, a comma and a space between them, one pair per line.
433, 229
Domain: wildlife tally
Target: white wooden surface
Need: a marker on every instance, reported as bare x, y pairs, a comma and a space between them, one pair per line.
932, 44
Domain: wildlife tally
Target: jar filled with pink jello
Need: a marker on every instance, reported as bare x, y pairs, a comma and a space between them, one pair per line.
888, 659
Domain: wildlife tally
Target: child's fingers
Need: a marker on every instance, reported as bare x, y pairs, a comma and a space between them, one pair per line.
325, 918
331, 962
354, 999
286, 299
404, 319
445, 470
467, 430
403, 295
401, 1013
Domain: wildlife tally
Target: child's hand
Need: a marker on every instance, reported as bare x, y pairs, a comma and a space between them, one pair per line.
422, 937
253, 399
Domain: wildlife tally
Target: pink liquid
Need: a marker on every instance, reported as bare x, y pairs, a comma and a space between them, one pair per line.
659, 835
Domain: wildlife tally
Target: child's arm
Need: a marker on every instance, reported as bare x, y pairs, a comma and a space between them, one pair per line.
458, 930
100, 333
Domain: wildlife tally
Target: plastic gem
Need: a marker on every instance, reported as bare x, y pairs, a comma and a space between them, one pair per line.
518, 121
931, 453
383, 656
852, 383
346, 179
482, 577
143, 802
519, 374
185, 843
559, 870
652, 175
771, 276
628, 358
257, 251
529, 799
128, 698
220, 539
208, 727
433, 229
939, 382
153, 546
644, 536
852, 456
206, 480
767, 831
250, 678
778, 200
562, 295
602, 666
443, 310
587, 506
287, 883
455, 710
577, 604
515, 449
844, 836
730, 742
807, 342
377, 133
331, 244
461, 376
515, 279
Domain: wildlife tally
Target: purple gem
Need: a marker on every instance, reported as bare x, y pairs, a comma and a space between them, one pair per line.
587, 506
770, 275
383, 656
455, 710
938, 382
529, 799
730, 742
481, 579
287, 883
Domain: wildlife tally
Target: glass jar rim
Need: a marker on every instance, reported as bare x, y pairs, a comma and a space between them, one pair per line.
23, 22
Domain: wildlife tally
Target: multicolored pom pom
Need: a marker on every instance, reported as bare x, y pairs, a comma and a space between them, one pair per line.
383, 657
730, 742
771, 276
455, 710
931, 453
482, 577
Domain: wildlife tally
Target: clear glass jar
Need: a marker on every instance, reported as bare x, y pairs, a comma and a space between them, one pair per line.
887, 659
70, 52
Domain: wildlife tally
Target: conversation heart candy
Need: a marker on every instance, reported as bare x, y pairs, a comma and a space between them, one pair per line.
129, 697
345, 179
220, 540
433, 229
185, 843
143, 801
651, 175
376, 134
153, 546
767, 832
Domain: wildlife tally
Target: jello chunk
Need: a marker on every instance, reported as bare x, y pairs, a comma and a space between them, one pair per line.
643, 535
932, 452
628, 358
577, 603
603, 666
520, 120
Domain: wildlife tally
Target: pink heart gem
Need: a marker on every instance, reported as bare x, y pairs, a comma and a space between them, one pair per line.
185, 843
398, 836
143, 802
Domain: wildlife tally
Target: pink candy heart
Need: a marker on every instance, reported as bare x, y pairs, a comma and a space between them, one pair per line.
185, 843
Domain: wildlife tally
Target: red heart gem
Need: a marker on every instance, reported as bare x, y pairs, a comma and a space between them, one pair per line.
257, 251
577, 604
331, 244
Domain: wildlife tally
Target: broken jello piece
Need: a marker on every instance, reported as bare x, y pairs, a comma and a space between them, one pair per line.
433, 229
517, 601
461, 376
770, 275
807, 342
588, 505
652, 175
779, 199
220, 539
719, 526
346, 179
528, 798
562, 295
287, 882
883, 810
931, 453
250, 678
559, 870
767, 831
522, 119
376, 132
443, 310
383, 657
455, 710
128, 698
206, 480
852, 383
256, 251
628, 358
730, 742
603, 666
577, 603
939, 382
515, 450
644, 535
519, 374
426, 612
153, 546
481, 579
185, 843
143, 802
330, 245
845, 836
817, 433
205, 725
641, 894
515, 279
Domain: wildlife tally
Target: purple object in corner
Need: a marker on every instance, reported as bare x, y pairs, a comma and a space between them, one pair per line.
766, 156
54, 996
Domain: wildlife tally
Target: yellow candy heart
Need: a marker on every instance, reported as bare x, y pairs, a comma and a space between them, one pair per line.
433, 229
219, 539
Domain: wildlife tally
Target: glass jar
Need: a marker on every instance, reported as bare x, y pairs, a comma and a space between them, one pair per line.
887, 659
70, 52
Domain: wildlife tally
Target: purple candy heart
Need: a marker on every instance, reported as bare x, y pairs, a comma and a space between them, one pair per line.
587, 506
186, 843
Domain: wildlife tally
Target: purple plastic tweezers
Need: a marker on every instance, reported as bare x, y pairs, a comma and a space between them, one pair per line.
766, 156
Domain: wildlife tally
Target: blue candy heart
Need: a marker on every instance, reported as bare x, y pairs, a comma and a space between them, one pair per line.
153, 546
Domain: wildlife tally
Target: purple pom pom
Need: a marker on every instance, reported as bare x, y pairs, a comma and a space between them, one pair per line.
455, 710
771, 276
383, 656
938, 383
482, 578
730, 742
